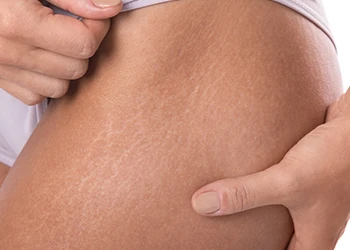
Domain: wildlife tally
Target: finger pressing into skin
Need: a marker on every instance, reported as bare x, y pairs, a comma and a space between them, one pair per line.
60, 34
24, 95
91, 9
239, 194
41, 61
37, 83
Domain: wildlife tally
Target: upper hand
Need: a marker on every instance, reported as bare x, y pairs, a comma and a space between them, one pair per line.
41, 52
312, 181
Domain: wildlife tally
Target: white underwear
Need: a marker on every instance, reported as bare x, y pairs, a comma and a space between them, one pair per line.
127, 6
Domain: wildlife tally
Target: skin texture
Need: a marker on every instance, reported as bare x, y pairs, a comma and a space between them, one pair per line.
39, 55
3, 172
179, 95
312, 181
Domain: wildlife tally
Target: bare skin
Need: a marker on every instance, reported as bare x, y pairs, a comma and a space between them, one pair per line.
179, 95
3, 172
39, 55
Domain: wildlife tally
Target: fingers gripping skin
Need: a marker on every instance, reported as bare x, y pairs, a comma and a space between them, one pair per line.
311, 181
35, 82
91, 9
34, 24
28, 97
40, 60
36, 44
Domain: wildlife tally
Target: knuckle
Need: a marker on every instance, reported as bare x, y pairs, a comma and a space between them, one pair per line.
89, 46
32, 99
104, 28
60, 88
4, 54
13, 57
8, 22
235, 198
78, 69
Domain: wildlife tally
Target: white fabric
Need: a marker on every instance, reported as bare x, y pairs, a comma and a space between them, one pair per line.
17, 122
127, 6
313, 10
136, 4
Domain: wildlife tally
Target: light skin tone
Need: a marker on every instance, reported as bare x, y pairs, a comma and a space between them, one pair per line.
278, 178
39, 54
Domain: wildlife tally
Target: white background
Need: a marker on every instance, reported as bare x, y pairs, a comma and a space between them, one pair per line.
338, 12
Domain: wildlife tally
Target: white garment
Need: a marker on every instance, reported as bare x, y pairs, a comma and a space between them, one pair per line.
17, 122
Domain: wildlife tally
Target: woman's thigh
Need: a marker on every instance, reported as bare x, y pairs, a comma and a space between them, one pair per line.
3, 172
179, 95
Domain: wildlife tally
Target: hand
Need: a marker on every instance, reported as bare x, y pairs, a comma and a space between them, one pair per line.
312, 181
41, 52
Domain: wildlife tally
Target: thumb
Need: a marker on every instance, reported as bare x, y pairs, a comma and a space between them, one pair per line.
235, 195
90, 9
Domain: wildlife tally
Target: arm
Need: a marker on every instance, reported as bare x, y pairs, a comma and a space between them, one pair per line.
167, 107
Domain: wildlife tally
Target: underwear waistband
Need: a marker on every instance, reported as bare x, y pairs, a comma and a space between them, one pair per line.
312, 10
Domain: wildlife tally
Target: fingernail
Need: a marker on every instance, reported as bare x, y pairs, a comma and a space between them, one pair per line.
207, 203
106, 3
